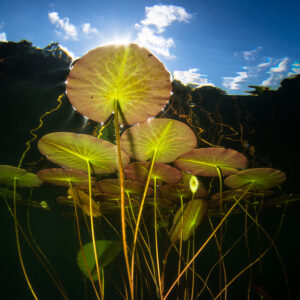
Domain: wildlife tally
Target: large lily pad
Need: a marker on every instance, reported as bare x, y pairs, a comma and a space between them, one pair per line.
204, 161
161, 172
23, 178
73, 150
129, 74
64, 177
193, 213
169, 138
259, 178
106, 252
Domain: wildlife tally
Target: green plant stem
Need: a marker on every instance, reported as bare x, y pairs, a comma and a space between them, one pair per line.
140, 214
92, 229
156, 241
80, 241
18, 242
121, 177
208, 239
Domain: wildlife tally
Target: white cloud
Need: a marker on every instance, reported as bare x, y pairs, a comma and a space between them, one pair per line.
265, 64
159, 16
191, 77
281, 67
68, 29
232, 83
87, 29
162, 16
251, 54
3, 37
295, 69
273, 80
147, 38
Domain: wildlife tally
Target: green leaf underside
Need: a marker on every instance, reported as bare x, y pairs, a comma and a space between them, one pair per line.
107, 252
193, 213
129, 74
174, 192
139, 171
64, 177
259, 178
76, 150
112, 186
169, 138
23, 178
204, 161
9, 194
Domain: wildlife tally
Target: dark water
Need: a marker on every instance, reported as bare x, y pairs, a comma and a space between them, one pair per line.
267, 122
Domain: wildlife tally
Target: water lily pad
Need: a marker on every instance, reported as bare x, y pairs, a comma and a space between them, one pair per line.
112, 186
174, 192
169, 138
106, 252
260, 178
204, 161
139, 171
9, 194
64, 177
129, 74
83, 201
193, 213
23, 178
73, 150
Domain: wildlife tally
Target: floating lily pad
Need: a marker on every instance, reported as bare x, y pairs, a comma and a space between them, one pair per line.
193, 213
64, 177
170, 138
139, 171
112, 186
129, 74
204, 161
73, 150
260, 178
23, 178
106, 252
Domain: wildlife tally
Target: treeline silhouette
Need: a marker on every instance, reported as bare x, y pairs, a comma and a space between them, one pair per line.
263, 124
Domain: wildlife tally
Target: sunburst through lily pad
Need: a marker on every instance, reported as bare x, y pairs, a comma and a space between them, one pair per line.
127, 73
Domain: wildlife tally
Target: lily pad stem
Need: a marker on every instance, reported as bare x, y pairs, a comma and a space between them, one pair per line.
18, 242
121, 176
140, 213
209, 238
92, 229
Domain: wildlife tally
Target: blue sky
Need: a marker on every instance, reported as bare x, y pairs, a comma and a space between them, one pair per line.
230, 44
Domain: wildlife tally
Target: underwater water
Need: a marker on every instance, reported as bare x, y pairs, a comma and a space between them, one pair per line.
259, 251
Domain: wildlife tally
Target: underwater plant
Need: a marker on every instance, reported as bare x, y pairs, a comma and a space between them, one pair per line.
152, 201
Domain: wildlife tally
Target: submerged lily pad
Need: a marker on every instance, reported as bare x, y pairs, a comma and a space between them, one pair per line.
169, 138
73, 151
106, 252
112, 186
64, 177
139, 171
259, 178
9, 194
193, 213
129, 74
23, 178
83, 201
204, 161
